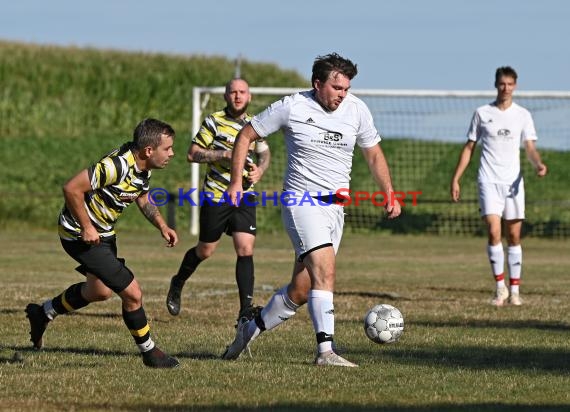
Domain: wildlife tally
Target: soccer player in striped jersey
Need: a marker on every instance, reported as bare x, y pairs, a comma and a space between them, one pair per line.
213, 145
321, 129
501, 127
94, 200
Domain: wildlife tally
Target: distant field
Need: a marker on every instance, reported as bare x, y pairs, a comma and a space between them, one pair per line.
77, 92
457, 352
63, 108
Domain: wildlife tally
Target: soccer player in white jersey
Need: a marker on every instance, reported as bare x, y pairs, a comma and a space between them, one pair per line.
501, 127
321, 128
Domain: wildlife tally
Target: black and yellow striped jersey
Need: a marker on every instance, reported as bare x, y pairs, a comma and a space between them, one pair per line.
116, 182
218, 132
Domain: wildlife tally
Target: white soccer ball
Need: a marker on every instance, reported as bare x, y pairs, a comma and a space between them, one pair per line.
384, 324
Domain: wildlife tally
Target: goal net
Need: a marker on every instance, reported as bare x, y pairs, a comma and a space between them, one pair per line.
422, 133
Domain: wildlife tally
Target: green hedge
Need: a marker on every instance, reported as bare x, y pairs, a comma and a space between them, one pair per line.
55, 91
63, 108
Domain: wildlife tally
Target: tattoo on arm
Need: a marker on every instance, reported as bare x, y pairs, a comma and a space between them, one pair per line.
150, 211
208, 156
263, 160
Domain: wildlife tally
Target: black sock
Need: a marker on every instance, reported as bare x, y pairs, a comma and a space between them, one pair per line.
259, 322
137, 324
323, 337
245, 280
188, 265
70, 300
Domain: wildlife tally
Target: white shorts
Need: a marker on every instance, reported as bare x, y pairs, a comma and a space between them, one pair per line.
502, 200
311, 227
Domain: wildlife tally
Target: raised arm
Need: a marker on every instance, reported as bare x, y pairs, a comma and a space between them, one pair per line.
464, 159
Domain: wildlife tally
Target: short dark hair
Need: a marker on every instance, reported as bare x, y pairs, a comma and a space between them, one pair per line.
505, 71
324, 65
149, 132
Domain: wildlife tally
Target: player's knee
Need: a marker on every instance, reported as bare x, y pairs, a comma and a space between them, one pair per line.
494, 236
244, 251
204, 252
96, 291
101, 295
132, 295
132, 301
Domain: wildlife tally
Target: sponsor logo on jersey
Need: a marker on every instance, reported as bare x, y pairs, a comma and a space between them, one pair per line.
128, 196
331, 137
504, 132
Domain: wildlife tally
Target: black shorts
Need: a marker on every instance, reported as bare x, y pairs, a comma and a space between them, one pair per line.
100, 260
216, 219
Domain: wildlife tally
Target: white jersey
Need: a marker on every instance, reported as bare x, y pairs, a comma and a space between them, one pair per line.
320, 144
501, 133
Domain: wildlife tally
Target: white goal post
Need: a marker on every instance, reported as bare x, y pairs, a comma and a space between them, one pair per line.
414, 117
200, 98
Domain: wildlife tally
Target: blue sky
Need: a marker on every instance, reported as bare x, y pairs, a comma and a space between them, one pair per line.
397, 44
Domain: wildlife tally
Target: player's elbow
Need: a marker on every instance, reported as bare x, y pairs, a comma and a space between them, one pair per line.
193, 153
68, 188
69, 192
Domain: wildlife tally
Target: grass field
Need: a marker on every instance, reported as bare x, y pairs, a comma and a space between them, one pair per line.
457, 352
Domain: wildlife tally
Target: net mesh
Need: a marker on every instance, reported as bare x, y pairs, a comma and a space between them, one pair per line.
423, 133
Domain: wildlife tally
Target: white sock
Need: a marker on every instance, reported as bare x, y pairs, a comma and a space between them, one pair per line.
279, 308
252, 331
49, 310
146, 346
496, 256
514, 263
321, 309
